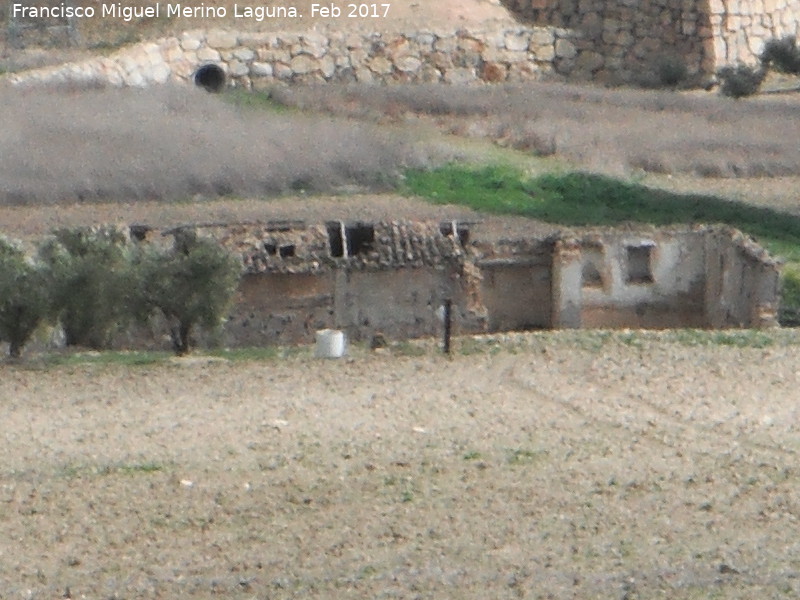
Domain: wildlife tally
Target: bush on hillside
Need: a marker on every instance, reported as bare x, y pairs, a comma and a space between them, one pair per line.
191, 285
89, 271
671, 71
24, 301
782, 55
740, 81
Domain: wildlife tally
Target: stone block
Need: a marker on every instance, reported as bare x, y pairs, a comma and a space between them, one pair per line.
222, 40
244, 54
380, 65
445, 45
408, 64
364, 75
282, 71
399, 48
494, 72
544, 53
208, 55
160, 73
517, 43
237, 68
589, 61
429, 74
327, 66
261, 69
303, 63
460, 76
470, 45
542, 37
565, 49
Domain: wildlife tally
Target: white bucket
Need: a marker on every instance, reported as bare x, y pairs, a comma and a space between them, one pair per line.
331, 343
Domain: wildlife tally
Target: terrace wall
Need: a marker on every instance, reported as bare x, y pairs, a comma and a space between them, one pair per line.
608, 41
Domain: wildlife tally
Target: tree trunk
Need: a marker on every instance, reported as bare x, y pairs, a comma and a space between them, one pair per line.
180, 338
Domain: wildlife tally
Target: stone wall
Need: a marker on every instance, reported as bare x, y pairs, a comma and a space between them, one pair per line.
740, 27
607, 41
625, 40
509, 54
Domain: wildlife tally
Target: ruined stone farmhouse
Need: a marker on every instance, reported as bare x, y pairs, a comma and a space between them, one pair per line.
391, 277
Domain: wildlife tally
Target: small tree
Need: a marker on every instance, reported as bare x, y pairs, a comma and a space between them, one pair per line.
740, 81
24, 300
191, 285
782, 55
90, 273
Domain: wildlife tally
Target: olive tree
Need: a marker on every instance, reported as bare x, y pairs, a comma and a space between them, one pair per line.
24, 299
192, 284
91, 279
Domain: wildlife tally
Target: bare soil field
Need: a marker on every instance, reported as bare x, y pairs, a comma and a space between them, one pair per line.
561, 465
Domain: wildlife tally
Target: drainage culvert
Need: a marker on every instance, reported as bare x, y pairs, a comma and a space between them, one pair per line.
210, 77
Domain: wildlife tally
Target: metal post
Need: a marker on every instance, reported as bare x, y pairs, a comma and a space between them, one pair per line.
448, 309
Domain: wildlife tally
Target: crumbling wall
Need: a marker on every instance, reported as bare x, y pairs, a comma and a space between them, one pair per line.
648, 280
281, 308
516, 285
400, 303
742, 282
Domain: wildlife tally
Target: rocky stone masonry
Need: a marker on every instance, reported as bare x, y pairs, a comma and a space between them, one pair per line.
254, 60
607, 41
624, 40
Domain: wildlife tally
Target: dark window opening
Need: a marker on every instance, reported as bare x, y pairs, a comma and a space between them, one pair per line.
591, 276
639, 267
271, 248
287, 250
335, 239
452, 229
360, 238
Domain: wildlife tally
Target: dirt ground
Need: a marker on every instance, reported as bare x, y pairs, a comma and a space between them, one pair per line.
560, 465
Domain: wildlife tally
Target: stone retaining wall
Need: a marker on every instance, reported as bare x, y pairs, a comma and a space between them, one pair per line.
512, 54
626, 40
608, 41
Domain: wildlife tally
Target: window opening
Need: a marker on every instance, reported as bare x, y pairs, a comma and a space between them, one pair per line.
360, 238
336, 238
639, 264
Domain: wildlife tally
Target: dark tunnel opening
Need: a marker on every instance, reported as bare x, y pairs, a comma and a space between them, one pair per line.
210, 77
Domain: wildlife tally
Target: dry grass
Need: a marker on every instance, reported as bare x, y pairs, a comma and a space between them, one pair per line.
569, 465
61, 146
609, 131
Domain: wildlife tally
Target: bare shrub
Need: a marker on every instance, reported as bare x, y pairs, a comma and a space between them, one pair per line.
782, 54
740, 81
170, 143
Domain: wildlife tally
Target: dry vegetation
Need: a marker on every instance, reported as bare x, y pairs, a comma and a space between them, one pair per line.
609, 131
568, 465
63, 146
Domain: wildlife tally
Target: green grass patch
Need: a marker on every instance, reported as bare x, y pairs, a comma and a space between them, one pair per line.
254, 100
80, 471
108, 357
586, 199
524, 456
